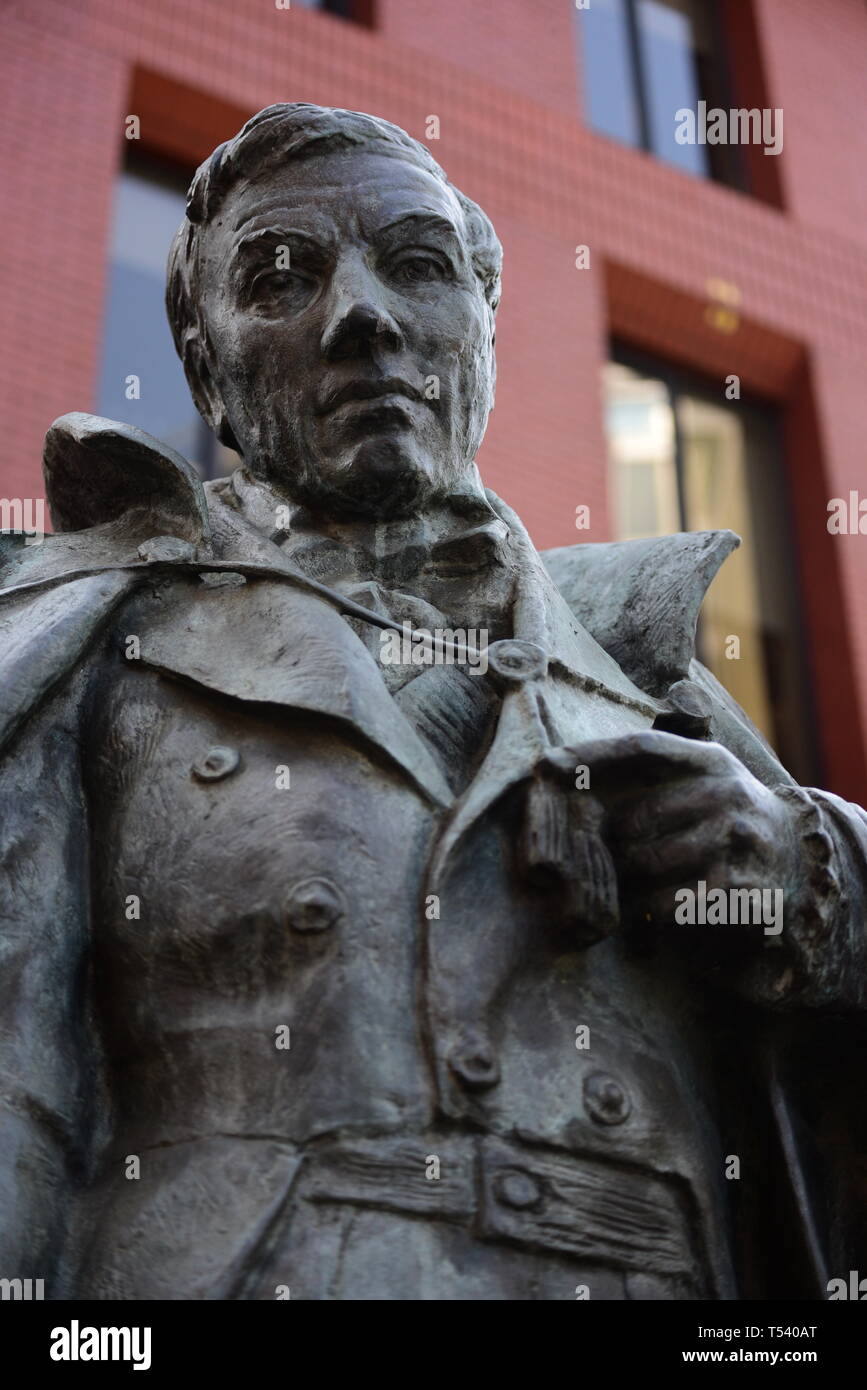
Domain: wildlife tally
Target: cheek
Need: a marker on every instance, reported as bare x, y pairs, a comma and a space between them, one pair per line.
256, 346
451, 320
476, 350
463, 365
234, 350
255, 362
250, 348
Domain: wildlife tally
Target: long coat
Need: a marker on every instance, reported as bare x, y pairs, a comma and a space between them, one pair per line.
284, 1006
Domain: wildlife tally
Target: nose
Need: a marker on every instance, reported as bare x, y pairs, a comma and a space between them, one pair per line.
357, 321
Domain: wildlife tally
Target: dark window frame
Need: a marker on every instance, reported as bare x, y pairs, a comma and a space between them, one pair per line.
357, 11
679, 381
728, 165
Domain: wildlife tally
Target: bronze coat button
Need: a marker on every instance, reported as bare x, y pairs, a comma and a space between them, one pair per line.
516, 661
473, 1063
517, 1189
605, 1100
217, 763
313, 905
687, 710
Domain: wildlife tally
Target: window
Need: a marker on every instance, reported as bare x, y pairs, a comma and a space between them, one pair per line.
644, 60
683, 458
359, 10
142, 381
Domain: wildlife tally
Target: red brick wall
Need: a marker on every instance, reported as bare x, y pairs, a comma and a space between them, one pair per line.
502, 76
526, 46
816, 70
58, 105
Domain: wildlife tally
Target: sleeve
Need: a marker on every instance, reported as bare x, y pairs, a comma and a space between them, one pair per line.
44, 1063
52, 1104
819, 961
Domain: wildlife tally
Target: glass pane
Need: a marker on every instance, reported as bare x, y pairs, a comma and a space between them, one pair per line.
717, 495
732, 477
609, 83
670, 33
148, 209
341, 7
641, 453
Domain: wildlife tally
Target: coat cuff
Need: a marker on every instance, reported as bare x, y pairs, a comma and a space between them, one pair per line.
820, 959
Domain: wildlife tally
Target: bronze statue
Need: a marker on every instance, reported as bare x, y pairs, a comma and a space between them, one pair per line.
512, 965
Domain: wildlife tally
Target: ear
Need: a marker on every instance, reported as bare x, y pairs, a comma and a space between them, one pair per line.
204, 391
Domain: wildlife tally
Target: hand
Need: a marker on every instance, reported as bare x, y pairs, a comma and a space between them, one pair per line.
679, 813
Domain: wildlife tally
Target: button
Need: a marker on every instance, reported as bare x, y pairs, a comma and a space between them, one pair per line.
217, 763
605, 1100
516, 661
313, 905
517, 1188
686, 710
167, 548
474, 1064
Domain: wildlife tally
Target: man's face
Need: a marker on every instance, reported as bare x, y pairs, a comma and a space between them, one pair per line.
359, 378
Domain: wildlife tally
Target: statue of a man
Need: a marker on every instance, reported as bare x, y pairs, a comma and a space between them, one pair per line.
387, 913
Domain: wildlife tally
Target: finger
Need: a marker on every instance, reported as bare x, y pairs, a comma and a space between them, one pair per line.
736, 842
656, 897
674, 806
670, 858
665, 907
641, 759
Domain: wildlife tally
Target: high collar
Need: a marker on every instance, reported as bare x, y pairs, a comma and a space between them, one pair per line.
458, 534
538, 612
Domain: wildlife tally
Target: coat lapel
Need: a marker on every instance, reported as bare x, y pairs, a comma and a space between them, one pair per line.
274, 643
585, 694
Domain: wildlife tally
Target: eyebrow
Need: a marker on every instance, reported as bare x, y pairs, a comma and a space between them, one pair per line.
264, 237
423, 221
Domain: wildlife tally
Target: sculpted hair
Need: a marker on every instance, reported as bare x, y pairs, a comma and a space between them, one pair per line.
295, 130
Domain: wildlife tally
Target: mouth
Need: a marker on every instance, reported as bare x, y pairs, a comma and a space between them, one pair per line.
385, 393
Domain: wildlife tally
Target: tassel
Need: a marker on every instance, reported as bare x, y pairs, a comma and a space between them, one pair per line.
564, 856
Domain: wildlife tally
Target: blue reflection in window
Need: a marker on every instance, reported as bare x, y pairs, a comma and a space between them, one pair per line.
609, 79
668, 48
644, 60
148, 211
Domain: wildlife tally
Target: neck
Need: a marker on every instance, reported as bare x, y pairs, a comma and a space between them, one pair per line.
455, 554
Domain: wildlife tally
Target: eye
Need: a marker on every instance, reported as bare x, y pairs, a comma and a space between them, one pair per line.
282, 284
418, 269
